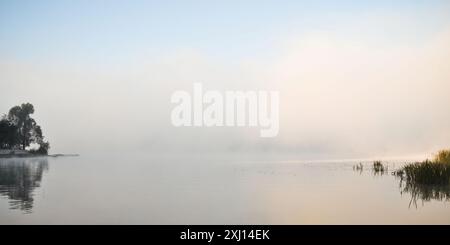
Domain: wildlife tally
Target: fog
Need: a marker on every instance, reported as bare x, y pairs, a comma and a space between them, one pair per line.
341, 96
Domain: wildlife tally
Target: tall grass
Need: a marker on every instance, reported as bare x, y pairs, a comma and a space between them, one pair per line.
359, 168
434, 172
427, 180
379, 168
443, 157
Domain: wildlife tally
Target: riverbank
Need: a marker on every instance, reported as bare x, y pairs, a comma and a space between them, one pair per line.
27, 154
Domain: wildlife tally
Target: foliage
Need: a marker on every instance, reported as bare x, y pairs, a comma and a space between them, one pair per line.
18, 130
428, 172
435, 172
8, 134
442, 157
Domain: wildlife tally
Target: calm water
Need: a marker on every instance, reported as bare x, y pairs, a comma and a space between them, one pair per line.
207, 190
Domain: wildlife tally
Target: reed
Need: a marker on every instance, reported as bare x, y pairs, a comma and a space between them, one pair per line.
379, 168
428, 172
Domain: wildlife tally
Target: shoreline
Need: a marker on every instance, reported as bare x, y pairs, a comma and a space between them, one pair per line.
6, 156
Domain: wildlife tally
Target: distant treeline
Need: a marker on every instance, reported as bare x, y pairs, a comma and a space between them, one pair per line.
18, 130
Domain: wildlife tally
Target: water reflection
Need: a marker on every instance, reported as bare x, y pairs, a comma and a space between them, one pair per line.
424, 193
418, 192
19, 178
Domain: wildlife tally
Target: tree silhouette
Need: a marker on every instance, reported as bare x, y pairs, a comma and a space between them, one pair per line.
19, 129
8, 134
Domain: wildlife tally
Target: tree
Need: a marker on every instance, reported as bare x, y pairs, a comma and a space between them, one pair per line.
43, 148
20, 116
8, 134
19, 129
38, 138
27, 129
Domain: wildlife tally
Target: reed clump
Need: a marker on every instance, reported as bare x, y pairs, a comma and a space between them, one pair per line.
379, 168
443, 157
358, 167
428, 172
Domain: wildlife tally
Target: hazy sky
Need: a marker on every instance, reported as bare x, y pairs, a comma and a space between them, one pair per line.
356, 78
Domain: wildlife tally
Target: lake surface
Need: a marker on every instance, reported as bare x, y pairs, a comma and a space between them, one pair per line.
144, 189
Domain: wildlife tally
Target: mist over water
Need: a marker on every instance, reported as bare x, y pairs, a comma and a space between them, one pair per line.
189, 189
322, 117
343, 94
357, 81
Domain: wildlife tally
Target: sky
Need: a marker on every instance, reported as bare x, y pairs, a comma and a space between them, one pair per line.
356, 78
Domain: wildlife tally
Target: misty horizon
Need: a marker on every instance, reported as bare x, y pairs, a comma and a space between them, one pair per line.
354, 82
260, 113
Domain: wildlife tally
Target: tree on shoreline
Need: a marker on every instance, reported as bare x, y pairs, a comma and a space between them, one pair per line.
19, 129
8, 134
